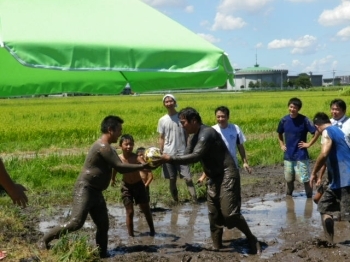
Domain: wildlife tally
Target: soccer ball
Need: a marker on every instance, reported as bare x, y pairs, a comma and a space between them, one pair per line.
152, 153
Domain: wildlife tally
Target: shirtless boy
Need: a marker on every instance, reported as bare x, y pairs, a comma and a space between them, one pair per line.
132, 188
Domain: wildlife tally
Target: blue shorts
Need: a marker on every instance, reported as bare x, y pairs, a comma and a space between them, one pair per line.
297, 170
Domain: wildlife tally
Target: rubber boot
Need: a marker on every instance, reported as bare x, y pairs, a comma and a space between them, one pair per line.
328, 227
308, 190
191, 190
290, 188
216, 236
173, 190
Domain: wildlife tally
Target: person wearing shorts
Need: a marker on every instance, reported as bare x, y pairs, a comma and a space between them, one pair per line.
172, 141
94, 178
341, 120
293, 129
335, 153
133, 189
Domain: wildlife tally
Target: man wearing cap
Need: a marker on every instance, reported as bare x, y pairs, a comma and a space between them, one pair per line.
172, 141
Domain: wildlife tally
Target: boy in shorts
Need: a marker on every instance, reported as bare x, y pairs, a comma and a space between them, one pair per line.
292, 129
133, 189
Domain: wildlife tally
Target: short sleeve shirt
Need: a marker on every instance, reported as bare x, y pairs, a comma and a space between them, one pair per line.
232, 136
174, 134
295, 130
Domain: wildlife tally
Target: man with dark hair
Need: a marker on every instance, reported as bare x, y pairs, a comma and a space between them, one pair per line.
335, 153
292, 129
337, 110
224, 187
93, 179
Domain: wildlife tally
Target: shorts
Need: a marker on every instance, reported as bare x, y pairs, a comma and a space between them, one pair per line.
170, 171
134, 193
297, 170
334, 200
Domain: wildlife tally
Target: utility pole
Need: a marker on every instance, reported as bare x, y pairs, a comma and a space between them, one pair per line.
333, 76
281, 79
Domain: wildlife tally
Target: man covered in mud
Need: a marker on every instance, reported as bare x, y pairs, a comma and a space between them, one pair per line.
335, 152
224, 187
93, 179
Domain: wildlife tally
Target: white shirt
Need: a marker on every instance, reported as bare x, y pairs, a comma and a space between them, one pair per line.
232, 136
174, 134
344, 124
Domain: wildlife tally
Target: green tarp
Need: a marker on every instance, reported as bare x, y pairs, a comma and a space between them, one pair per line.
151, 51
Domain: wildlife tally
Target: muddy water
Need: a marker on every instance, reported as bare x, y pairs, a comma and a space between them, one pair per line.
186, 227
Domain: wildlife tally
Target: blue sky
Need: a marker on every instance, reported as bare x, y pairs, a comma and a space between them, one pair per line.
301, 36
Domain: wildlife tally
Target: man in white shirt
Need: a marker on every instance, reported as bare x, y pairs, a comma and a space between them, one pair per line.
232, 136
172, 141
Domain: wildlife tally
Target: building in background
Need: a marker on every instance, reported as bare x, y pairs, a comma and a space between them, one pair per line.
259, 77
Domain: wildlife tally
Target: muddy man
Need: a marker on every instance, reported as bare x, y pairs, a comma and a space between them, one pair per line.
224, 187
93, 179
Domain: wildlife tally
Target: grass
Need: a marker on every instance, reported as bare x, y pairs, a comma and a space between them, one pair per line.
44, 142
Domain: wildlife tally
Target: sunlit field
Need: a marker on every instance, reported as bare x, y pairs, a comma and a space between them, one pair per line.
44, 142
38, 125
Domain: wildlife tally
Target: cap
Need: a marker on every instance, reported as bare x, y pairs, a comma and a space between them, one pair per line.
169, 95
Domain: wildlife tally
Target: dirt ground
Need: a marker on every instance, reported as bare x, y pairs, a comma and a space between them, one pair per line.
288, 229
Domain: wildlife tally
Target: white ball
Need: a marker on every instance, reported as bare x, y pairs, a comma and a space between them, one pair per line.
152, 153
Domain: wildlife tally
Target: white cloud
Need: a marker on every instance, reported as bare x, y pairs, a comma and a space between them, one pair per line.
205, 23
344, 34
165, 3
280, 66
189, 9
320, 65
304, 45
228, 6
259, 45
336, 16
296, 63
301, 1
210, 38
227, 22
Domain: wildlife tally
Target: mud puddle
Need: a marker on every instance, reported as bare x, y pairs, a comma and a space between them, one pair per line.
185, 227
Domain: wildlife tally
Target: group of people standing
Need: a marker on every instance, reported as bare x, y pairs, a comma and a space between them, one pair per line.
183, 140
333, 192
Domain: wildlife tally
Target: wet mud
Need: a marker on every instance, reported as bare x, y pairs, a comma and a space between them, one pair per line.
289, 229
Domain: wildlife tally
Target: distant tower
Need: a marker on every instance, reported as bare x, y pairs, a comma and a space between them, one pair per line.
256, 58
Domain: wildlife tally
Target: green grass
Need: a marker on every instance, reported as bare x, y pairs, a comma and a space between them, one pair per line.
44, 141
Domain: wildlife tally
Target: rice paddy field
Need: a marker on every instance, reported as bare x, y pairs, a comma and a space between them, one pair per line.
44, 141
44, 125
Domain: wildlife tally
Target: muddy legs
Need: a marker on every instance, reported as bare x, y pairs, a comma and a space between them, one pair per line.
216, 236
191, 189
289, 188
308, 190
173, 189
328, 227
242, 225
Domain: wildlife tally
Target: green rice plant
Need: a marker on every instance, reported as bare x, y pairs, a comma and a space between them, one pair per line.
75, 247
345, 91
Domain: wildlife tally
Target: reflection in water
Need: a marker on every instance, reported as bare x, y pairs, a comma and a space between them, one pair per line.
188, 224
291, 216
